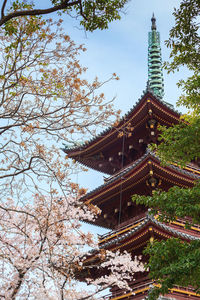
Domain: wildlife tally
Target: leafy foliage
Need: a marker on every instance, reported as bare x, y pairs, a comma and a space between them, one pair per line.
92, 14
181, 143
173, 261
182, 140
176, 203
184, 36
97, 14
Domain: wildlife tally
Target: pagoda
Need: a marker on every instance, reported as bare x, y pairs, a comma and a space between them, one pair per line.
122, 153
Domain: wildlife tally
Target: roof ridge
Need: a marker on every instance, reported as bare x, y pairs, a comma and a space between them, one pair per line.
123, 118
135, 163
151, 218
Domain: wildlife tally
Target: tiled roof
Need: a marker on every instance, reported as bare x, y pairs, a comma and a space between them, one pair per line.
149, 218
118, 175
125, 170
106, 131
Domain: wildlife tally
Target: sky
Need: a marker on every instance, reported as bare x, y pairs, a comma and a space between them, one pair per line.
123, 49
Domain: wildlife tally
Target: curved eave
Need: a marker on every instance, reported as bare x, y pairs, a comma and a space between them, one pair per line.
139, 168
134, 180
162, 110
140, 235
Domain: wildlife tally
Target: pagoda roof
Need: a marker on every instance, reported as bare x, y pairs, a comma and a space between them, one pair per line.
134, 179
135, 237
162, 229
149, 155
90, 153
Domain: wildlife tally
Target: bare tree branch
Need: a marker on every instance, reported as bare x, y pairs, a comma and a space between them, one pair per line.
36, 12
3, 8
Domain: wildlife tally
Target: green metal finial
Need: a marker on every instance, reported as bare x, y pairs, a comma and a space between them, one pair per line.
155, 73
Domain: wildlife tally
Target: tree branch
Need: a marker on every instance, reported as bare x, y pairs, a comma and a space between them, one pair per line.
3, 8
18, 285
21, 171
34, 12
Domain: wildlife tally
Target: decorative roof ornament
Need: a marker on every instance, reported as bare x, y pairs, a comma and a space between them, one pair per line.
155, 73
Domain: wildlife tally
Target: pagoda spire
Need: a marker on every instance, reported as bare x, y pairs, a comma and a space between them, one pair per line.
155, 73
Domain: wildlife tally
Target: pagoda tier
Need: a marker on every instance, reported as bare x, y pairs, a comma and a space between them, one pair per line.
126, 142
140, 177
137, 234
146, 227
133, 238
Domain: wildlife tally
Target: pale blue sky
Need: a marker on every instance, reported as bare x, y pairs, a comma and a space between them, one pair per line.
123, 49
